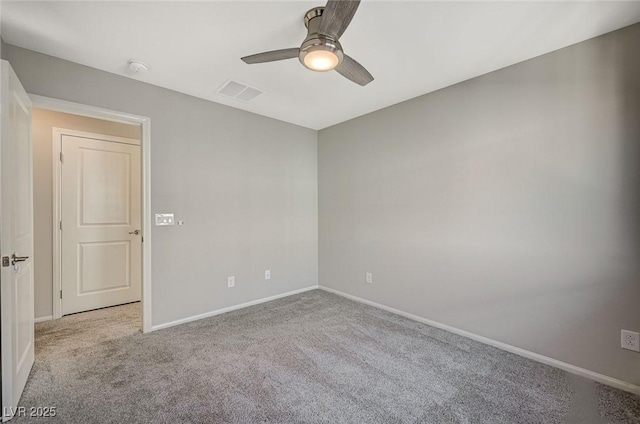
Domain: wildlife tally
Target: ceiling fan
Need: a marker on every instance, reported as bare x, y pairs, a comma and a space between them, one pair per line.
321, 49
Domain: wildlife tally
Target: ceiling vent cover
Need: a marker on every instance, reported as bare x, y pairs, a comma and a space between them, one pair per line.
239, 91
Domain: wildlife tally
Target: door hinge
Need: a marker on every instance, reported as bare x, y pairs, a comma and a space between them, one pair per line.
5, 261
60, 225
60, 294
61, 157
142, 239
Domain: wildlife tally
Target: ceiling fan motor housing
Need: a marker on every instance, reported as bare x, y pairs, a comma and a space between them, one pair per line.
316, 41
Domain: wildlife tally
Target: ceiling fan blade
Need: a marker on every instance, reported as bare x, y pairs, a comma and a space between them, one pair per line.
272, 56
336, 17
354, 71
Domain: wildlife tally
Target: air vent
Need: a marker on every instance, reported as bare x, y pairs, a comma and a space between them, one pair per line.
239, 91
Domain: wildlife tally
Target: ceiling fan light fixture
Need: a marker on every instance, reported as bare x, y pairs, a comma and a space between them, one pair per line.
321, 60
320, 54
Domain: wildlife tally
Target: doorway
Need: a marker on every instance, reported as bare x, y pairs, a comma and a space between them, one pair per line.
98, 183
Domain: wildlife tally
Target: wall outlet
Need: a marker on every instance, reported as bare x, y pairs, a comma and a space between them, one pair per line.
368, 278
231, 281
630, 340
267, 274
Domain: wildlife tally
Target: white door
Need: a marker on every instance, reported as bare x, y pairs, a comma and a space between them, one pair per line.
101, 239
16, 242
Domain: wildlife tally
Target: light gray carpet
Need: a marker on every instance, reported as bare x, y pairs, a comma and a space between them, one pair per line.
309, 358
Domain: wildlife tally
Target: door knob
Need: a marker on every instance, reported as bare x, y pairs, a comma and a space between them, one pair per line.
136, 232
15, 259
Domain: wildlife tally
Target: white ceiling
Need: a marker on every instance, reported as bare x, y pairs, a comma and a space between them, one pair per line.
411, 48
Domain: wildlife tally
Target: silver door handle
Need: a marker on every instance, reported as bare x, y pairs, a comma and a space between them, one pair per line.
136, 232
15, 259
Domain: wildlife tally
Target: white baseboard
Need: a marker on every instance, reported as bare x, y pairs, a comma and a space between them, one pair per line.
600, 378
43, 319
230, 308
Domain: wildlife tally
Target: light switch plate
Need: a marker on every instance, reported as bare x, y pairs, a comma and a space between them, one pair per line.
267, 274
164, 219
368, 278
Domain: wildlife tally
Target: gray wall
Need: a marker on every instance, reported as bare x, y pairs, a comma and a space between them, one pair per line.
507, 205
42, 124
245, 185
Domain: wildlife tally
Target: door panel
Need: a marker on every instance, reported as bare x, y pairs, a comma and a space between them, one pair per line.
110, 173
100, 204
104, 266
24, 338
17, 237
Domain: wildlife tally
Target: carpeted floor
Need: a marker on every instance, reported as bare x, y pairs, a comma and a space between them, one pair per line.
310, 358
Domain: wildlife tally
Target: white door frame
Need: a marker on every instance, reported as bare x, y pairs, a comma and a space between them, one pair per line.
109, 115
57, 203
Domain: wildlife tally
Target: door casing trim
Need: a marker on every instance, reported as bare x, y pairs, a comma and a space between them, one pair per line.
115, 116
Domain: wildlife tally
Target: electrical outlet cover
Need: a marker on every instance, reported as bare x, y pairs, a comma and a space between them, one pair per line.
231, 281
267, 274
630, 340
